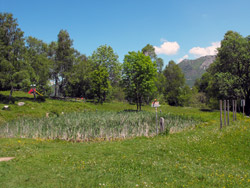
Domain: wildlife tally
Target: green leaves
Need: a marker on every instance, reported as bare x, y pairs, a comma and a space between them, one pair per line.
175, 82
105, 56
138, 77
100, 83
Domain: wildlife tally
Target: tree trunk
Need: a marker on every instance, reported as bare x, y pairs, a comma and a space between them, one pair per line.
56, 83
228, 112
34, 94
11, 91
247, 105
233, 108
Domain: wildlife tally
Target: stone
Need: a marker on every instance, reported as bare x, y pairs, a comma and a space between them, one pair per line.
20, 103
6, 107
6, 158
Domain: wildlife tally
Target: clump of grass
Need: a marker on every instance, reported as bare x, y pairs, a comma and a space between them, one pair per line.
92, 125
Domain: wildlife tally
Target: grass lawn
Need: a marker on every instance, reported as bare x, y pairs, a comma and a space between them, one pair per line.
201, 156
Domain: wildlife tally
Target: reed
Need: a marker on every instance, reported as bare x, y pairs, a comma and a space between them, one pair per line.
91, 125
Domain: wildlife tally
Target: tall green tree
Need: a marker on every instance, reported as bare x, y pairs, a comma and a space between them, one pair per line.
64, 59
138, 76
80, 80
105, 56
175, 84
230, 76
37, 52
100, 83
55, 67
149, 50
14, 70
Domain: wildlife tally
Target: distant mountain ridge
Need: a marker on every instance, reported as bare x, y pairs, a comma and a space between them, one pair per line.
194, 69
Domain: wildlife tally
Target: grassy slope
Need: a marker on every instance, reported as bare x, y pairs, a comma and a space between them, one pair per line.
200, 157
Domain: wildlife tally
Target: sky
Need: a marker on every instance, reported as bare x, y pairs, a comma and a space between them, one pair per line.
178, 29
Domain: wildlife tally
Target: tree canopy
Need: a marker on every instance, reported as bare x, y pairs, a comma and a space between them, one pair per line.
138, 77
14, 70
228, 77
175, 83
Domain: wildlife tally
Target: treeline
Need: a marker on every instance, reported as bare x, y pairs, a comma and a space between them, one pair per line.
228, 78
57, 69
60, 70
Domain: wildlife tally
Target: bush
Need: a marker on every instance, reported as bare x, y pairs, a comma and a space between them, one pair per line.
6, 100
41, 98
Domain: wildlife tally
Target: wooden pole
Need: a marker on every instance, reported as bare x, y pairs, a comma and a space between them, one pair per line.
162, 127
225, 113
233, 109
156, 127
220, 114
243, 107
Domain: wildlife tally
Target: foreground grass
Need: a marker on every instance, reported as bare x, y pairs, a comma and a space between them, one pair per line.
201, 157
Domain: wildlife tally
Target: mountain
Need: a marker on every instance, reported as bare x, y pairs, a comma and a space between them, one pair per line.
194, 69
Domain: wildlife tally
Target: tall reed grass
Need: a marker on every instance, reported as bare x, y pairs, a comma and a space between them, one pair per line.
92, 125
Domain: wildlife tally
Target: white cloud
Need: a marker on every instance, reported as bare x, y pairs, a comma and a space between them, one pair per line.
167, 48
184, 57
210, 50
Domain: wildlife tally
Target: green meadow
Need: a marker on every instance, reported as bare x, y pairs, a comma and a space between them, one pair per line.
111, 145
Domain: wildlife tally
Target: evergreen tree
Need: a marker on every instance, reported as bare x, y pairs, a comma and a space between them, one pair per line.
14, 70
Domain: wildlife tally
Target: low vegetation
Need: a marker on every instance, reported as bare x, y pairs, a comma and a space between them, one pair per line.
90, 125
200, 155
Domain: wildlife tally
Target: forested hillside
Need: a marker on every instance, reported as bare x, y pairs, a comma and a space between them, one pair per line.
193, 69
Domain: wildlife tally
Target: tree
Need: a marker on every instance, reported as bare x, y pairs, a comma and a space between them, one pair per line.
37, 52
14, 70
230, 72
55, 67
175, 84
64, 59
138, 77
149, 50
105, 56
100, 83
79, 84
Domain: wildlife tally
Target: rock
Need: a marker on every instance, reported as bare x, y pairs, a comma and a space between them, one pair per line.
20, 103
6, 158
6, 107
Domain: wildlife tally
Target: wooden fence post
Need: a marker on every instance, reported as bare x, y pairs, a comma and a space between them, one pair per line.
156, 123
225, 113
220, 114
233, 109
162, 126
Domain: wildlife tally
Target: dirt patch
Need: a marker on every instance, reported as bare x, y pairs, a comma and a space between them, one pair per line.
6, 158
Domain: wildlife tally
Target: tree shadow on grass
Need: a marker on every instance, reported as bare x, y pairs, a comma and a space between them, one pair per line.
130, 110
4, 99
206, 110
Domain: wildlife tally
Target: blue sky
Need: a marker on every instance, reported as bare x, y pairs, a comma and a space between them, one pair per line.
177, 29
